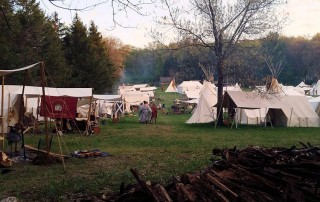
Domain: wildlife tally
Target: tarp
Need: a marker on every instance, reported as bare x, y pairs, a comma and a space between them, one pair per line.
205, 111
59, 107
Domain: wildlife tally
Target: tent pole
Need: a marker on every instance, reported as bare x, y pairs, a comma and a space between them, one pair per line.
9, 101
22, 98
44, 105
89, 116
2, 113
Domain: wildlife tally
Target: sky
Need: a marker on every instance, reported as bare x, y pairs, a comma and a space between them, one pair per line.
303, 19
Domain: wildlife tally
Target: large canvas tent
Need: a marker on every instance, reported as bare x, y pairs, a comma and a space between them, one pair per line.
3, 73
281, 110
205, 111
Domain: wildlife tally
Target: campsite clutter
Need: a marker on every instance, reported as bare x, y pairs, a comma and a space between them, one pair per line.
26, 109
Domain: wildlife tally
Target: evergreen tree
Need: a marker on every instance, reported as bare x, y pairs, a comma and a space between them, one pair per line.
7, 30
76, 46
102, 70
33, 39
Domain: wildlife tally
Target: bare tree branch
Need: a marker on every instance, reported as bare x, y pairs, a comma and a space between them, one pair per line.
117, 7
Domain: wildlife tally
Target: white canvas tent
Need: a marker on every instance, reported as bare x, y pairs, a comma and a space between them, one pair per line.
171, 88
283, 110
32, 95
235, 87
315, 89
106, 104
315, 104
189, 86
11, 106
192, 94
134, 98
250, 116
4, 123
205, 111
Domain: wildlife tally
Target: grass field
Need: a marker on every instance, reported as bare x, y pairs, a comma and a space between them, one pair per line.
159, 151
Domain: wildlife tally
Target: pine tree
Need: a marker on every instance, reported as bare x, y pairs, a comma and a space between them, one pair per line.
34, 39
102, 75
76, 46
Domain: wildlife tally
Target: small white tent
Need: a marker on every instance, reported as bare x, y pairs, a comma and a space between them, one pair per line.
189, 86
315, 89
205, 112
172, 87
134, 98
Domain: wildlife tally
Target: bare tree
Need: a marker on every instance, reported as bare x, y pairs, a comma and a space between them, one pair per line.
118, 7
219, 25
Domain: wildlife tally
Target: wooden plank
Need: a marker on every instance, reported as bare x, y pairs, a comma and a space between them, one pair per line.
45, 152
220, 185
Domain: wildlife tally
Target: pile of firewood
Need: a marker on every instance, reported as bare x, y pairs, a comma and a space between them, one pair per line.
251, 174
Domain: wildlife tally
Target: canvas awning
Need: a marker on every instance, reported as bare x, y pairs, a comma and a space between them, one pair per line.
245, 100
5, 72
107, 97
34, 91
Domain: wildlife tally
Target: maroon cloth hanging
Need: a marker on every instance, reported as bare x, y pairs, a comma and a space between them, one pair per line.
59, 107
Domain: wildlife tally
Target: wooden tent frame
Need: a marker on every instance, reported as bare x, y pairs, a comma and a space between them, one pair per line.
25, 69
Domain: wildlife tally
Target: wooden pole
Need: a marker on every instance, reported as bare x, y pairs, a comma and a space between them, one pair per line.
22, 98
44, 105
89, 116
2, 113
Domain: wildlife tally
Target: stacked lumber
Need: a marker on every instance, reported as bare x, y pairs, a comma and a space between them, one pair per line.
4, 160
251, 174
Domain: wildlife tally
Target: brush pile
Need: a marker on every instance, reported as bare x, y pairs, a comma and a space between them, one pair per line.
251, 174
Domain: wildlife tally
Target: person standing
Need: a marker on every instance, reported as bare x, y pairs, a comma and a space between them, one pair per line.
145, 112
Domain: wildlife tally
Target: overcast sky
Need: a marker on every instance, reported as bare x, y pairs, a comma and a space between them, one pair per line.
304, 20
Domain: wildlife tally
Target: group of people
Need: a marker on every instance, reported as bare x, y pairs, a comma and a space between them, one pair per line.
147, 114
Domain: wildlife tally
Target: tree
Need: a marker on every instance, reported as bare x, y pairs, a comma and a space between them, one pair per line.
87, 58
32, 38
117, 53
102, 75
118, 7
219, 25
76, 48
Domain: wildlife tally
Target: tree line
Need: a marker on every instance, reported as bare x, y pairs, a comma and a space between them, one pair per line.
74, 56
295, 58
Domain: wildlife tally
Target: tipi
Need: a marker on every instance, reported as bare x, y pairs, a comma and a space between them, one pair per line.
172, 87
205, 112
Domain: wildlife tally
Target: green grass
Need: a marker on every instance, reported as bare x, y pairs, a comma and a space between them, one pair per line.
159, 151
